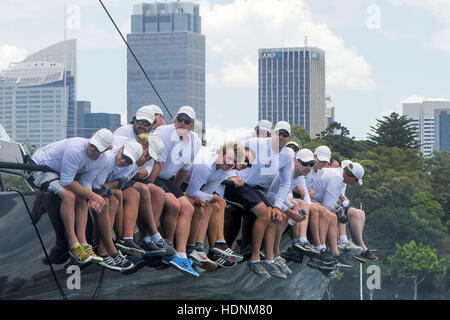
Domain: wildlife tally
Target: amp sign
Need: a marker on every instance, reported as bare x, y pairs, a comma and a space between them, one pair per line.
271, 55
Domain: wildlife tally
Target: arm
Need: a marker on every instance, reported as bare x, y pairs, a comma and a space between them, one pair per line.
285, 184
199, 178
179, 177
157, 167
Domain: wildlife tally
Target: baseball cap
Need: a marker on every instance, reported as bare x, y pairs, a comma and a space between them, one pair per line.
305, 155
292, 142
264, 125
132, 150
323, 153
345, 163
146, 113
156, 109
283, 125
102, 139
358, 171
187, 110
155, 146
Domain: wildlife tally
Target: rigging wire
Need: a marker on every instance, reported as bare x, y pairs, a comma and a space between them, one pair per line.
135, 58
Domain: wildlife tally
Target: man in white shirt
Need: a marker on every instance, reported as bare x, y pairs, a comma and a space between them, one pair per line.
69, 158
263, 129
210, 168
271, 158
181, 144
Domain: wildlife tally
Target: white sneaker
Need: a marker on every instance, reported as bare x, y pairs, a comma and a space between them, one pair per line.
200, 259
349, 247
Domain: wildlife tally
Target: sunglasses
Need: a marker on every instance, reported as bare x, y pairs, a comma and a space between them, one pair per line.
127, 159
143, 123
186, 121
247, 161
283, 133
306, 164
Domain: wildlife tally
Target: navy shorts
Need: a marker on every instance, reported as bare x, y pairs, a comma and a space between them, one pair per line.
169, 186
247, 196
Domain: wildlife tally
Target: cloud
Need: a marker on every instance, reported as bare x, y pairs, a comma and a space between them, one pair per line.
237, 30
9, 54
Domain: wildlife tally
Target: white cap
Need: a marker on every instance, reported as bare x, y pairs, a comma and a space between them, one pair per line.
345, 163
146, 113
294, 143
323, 153
156, 109
283, 125
187, 110
358, 171
305, 155
265, 125
132, 150
102, 139
155, 146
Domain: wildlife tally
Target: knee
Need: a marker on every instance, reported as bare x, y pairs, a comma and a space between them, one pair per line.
313, 213
68, 197
172, 204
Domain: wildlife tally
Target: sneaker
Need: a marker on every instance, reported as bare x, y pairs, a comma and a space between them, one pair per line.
259, 270
306, 249
292, 255
326, 257
138, 263
163, 244
219, 260
349, 247
319, 265
130, 247
152, 250
342, 262
109, 263
366, 256
225, 252
94, 258
79, 255
182, 264
273, 270
200, 259
122, 261
281, 264
56, 256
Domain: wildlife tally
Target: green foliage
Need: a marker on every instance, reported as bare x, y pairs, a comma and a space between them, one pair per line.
301, 133
415, 262
394, 131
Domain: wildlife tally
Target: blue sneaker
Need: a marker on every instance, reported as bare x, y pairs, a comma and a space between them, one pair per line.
182, 264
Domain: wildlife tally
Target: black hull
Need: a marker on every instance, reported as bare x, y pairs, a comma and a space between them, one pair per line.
24, 275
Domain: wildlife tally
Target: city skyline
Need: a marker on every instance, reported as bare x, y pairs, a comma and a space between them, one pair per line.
378, 55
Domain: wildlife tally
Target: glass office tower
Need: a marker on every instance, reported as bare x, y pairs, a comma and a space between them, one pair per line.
291, 87
166, 38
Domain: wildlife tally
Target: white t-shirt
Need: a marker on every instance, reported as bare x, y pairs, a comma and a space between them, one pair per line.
311, 177
176, 154
204, 178
328, 187
68, 157
125, 131
266, 165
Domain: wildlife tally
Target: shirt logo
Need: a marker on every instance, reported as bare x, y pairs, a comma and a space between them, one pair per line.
269, 164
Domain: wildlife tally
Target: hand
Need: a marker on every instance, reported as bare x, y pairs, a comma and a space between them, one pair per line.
295, 215
215, 198
142, 173
143, 159
198, 202
237, 182
277, 214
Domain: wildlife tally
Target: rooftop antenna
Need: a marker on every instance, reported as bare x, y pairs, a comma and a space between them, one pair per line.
306, 41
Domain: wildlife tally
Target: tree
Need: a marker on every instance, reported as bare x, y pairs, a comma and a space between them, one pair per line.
394, 131
335, 129
300, 133
413, 263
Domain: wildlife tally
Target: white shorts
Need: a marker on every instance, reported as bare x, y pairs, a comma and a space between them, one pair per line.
51, 178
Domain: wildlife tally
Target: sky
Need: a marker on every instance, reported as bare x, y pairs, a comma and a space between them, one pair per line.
379, 53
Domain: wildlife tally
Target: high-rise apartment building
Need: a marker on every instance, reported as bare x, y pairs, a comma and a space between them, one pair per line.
64, 52
32, 104
442, 129
166, 38
423, 119
291, 87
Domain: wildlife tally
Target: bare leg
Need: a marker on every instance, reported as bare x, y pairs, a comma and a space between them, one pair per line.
356, 222
170, 219
81, 214
263, 214
106, 245
157, 195
332, 234
183, 224
216, 222
67, 211
145, 210
118, 221
314, 223
130, 211
279, 229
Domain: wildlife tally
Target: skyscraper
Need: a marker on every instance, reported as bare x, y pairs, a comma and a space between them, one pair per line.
64, 52
442, 129
291, 87
166, 38
32, 105
423, 119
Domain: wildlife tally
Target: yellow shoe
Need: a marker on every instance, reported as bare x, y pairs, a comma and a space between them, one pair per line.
94, 258
79, 254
